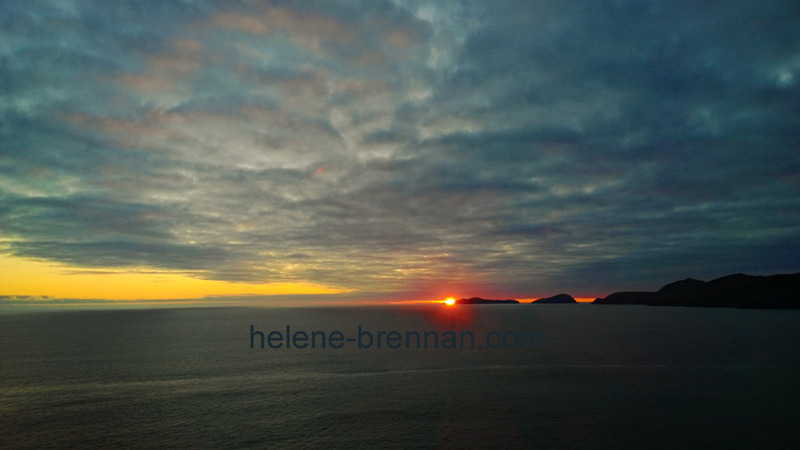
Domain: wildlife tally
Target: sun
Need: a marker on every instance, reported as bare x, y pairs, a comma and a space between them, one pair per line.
450, 301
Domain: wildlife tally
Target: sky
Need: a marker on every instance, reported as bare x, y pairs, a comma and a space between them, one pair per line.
389, 150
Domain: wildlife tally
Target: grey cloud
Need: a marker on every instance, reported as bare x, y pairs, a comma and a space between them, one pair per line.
520, 145
527, 145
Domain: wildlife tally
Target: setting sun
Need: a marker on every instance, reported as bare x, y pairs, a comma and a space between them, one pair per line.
450, 301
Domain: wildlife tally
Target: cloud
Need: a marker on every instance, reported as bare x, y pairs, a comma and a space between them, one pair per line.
307, 29
404, 148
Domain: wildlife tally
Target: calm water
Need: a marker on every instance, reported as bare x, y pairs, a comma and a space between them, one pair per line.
604, 377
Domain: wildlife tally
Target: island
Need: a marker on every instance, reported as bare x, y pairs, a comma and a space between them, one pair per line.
483, 301
732, 291
557, 299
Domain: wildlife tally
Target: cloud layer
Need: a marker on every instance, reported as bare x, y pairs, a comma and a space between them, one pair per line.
404, 148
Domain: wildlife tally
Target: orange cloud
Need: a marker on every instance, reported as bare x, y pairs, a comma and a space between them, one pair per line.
399, 38
185, 57
145, 83
309, 30
362, 87
240, 22
127, 133
167, 63
370, 57
186, 46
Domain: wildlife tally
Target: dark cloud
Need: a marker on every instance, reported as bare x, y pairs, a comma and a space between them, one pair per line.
402, 148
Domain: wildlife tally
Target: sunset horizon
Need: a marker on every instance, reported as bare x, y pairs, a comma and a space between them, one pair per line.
40, 282
417, 224
395, 150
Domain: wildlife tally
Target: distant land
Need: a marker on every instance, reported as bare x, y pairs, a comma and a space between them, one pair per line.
731, 291
482, 301
557, 299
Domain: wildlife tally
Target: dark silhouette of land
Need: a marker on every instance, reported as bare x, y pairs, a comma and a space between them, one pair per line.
557, 299
732, 291
483, 301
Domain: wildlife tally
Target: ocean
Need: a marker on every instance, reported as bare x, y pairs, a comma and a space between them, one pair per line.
492, 376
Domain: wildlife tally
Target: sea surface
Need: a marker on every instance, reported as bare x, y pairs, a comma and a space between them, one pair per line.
594, 377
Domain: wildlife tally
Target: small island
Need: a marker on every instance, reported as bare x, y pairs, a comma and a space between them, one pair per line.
561, 299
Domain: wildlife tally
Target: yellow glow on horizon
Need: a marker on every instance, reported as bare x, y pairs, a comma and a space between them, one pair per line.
26, 277
450, 301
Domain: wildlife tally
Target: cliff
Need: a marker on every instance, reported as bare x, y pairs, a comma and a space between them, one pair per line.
737, 291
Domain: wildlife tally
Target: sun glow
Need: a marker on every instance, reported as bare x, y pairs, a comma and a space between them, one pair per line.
26, 277
450, 301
